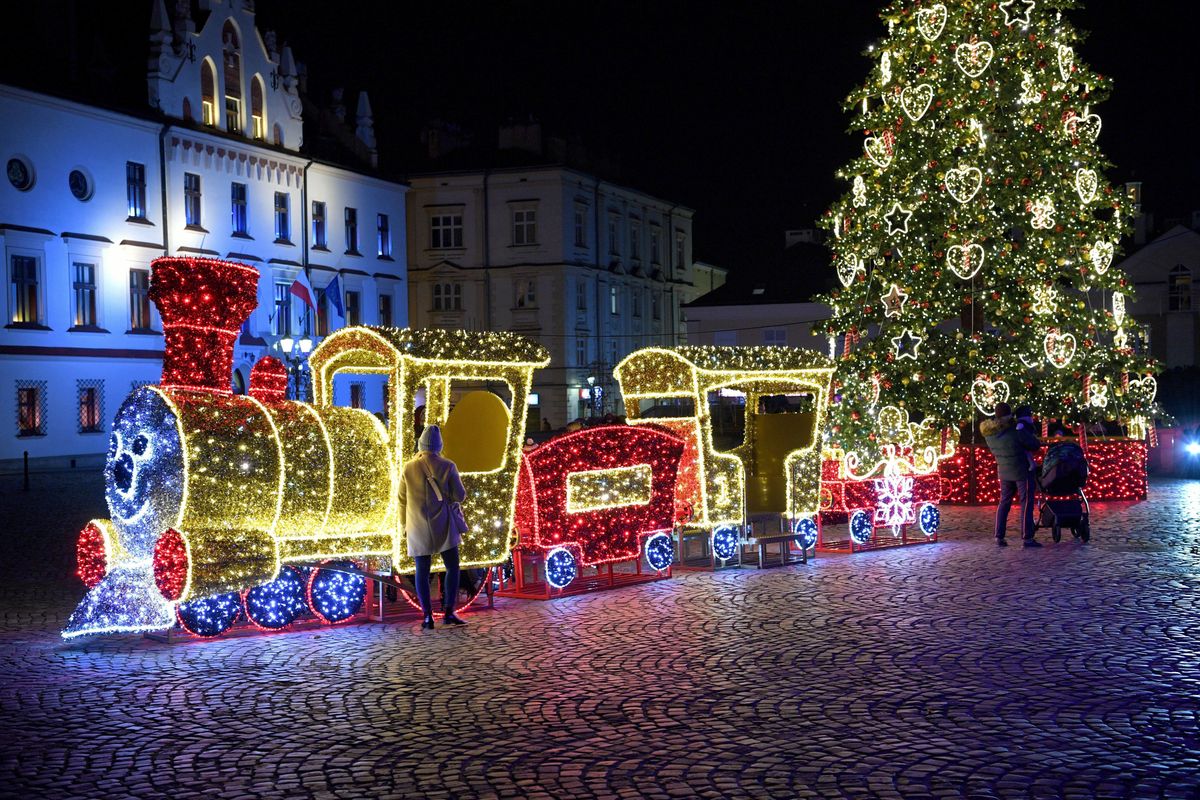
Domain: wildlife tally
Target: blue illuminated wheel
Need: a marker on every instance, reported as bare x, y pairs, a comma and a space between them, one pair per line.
210, 616
561, 568
725, 541
336, 592
862, 526
276, 604
660, 551
806, 532
930, 519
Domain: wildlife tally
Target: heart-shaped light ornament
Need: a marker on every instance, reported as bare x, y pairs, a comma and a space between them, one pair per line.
1118, 308
847, 267
1060, 348
1087, 183
987, 394
965, 260
1066, 61
1085, 128
932, 21
878, 151
974, 58
1102, 256
915, 100
1143, 390
963, 183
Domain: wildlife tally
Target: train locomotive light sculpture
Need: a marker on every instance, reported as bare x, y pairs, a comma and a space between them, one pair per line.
752, 420
212, 493
590, 506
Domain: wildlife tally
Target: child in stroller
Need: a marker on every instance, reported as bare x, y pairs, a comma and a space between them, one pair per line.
1064, 505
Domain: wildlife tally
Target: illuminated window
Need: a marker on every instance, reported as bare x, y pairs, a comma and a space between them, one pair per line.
283, 224
281, 321
258, 117
384, 236
135, 189
385, 310
139, 299
776, 337
580, 226
353, 314
1179, 289
31, 408
352, 230
84, 285
191, 199
237, 195
231, 48
208, 94
24, 295
613, 300
318, 223
524, 226
445, 231
91, 405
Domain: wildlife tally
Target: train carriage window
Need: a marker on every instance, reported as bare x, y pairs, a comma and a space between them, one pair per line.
477, 424
727, 413
666, 407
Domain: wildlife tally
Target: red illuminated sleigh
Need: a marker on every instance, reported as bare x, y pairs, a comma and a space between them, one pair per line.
591, 505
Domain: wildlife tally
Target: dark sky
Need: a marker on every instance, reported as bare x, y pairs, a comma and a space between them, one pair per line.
733, 107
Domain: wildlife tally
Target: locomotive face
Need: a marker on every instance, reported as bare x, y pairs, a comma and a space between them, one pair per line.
144, 474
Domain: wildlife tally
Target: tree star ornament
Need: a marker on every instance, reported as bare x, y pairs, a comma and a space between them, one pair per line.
965, 260
1066, 61
1042, 214
893, 301
915, 100
932, 21
1045, 300
973, 58
987, 394
1118, 303
963, 183
907, 345
1060, 348
859, 191
897, 219
1102, 256
1086, 184
1016, 12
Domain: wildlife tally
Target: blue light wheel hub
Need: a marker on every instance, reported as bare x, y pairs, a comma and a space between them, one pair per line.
561, 568
210, 616
862, 526
806, 532
725, 541
930, 519
660, 551
276, 604
336, 592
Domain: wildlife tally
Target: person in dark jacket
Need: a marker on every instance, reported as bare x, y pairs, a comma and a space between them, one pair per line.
1012, 441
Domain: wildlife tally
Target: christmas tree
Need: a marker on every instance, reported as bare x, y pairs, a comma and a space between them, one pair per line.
977, 239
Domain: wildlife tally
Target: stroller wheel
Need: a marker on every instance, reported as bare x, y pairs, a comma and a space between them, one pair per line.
1085, 530
1056, 533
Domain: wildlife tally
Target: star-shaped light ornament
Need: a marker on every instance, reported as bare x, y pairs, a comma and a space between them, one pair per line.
1016, 12
907, 344
897, 219
893, 301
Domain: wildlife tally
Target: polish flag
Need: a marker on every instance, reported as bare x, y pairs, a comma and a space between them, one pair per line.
303, 289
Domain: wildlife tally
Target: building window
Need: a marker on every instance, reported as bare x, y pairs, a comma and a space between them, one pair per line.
191, 199
353, 317
581, 348
580, 226
91, 405
445, 231
231, 49
238, 205
281, 322
384, 236
385, 310
139, 299
655, 306
775, 337
322, 315
26, 308
208, 94
135, 189
680, 249
636, 302
655, 251
635, 241
31, 408
283, 224
447, 297
318, 222
612, 352
614, 247
613, 300
1179, 289
581, 293
258, 118
524, 226
526, 294
358, 393
84, 285
352, 230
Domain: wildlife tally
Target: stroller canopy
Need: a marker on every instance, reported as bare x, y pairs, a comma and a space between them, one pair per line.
1065, 469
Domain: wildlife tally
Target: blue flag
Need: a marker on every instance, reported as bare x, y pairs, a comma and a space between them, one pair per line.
333, 293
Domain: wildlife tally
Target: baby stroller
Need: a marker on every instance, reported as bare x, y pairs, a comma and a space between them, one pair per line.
1063, 474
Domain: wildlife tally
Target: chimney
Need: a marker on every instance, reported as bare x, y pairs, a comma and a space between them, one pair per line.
364, 129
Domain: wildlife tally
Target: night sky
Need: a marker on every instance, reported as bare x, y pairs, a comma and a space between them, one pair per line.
732, 108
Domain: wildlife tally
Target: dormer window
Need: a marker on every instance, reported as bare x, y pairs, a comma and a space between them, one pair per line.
231, 47
208, 93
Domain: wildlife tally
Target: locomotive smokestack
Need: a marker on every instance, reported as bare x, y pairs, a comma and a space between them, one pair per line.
203, 303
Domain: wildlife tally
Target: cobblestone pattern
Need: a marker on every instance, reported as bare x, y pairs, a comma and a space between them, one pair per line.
947, 670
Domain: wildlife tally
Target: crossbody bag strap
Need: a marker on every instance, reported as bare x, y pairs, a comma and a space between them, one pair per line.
437, 490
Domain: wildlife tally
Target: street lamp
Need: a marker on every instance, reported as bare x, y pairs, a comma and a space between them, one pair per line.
295, 360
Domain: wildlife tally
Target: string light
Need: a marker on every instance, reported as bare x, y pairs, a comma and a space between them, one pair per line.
725, 541
210, 616
336, 591
1116, 471
561, 568
92, 552
660, 551
277, 603
125, 601
806, 530
987, 394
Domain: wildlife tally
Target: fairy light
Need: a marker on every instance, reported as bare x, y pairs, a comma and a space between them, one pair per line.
94, 552
210, 616
609, 488
561, 568
987, 394
660, 551
276, 604
336, 591
929, 518
1116, 471
725, 541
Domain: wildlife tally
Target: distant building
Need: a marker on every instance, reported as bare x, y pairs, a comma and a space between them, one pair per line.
1164, 274
216, 165
590, 268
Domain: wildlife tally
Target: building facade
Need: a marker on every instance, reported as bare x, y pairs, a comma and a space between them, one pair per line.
1165, 305
591, 269
215, 167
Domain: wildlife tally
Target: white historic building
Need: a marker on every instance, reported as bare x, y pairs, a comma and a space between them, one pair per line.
591, 269
1164, 275
216, 166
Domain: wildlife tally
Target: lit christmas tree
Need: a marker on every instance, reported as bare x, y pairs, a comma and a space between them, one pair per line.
976, 243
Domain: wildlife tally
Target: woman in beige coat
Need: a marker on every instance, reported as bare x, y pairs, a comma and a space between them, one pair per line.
426, 520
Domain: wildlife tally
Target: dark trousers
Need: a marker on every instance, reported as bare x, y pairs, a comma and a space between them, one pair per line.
449, 589
1023, 489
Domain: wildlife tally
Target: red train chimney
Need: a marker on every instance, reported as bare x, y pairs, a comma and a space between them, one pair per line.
203, 303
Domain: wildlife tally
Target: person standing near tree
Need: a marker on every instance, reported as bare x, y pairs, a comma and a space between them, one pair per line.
1010, 438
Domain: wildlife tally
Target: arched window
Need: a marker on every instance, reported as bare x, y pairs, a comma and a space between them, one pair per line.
258, 116
208, 93
232, 53
1179, 289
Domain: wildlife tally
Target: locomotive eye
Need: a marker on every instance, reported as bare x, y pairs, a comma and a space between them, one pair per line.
123, 473
139, 445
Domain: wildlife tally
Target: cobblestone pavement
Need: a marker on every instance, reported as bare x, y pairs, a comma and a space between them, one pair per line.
950, 670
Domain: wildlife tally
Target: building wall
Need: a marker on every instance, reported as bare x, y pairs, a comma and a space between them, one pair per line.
1168, 316
787, 324
557, 289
